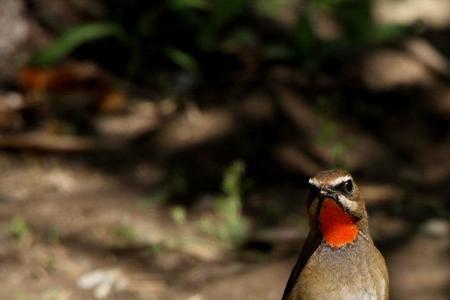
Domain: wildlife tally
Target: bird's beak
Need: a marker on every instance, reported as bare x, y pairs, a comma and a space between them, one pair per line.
327, 193
342, 202
320, 193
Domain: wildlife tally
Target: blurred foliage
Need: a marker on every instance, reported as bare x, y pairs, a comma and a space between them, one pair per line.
172, 185
18, 228
202, 36
125, 234
231, 227
52, 235
178, 215
74, 38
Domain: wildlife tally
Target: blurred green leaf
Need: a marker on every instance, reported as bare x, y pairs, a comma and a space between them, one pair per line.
228, 225
18, 228
125, 233
271, 8
338, 151
383, 33
154, 249
327, 132
206, 225
183, 4
182, 59
231, 184
277, 52
222, 11
330, 4
74, 38
239, 38
355, 17
178, 215
304, 36
225, 10
234, 227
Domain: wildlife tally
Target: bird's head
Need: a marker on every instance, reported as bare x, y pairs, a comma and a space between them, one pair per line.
335, 206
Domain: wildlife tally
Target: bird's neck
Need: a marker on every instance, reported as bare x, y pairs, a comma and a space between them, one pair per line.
338, 228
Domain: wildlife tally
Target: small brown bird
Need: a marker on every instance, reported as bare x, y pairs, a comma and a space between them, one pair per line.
339, 259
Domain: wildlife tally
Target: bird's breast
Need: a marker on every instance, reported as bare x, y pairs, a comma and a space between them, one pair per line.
356, 271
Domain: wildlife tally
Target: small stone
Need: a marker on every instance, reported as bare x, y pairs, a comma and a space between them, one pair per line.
195, 297
102, 282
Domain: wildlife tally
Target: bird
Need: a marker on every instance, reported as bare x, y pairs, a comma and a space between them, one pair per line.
338, 260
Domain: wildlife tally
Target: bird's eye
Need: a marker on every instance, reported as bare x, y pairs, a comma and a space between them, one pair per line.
348, 186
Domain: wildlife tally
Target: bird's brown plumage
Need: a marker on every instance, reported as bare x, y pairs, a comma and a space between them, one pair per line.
347, 269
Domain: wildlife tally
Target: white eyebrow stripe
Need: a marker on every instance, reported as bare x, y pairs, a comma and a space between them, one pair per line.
340, 180
314, 182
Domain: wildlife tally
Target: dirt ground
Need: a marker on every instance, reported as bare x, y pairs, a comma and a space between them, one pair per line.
109, 167
69, 231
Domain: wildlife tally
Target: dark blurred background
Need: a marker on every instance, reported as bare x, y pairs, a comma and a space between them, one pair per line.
161, 149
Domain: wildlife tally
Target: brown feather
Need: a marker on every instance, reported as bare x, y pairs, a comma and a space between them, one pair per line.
310, 245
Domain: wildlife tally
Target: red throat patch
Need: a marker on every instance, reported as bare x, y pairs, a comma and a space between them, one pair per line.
338, 228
